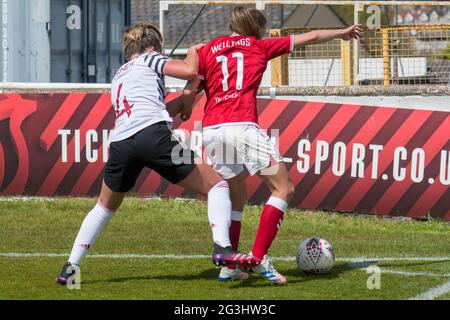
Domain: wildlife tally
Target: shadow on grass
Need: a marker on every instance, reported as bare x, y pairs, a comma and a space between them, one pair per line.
293, 275
205, 275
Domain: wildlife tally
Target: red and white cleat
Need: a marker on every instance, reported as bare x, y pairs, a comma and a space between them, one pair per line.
267, 270
225, 257
227, 274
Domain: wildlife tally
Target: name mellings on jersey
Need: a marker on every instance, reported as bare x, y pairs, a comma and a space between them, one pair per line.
230, 43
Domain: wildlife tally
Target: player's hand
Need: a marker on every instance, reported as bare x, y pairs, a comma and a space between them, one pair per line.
185, 113
353, 32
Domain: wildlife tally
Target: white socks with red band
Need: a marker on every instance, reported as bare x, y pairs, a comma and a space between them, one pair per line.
278, 203
90, 229
219, 213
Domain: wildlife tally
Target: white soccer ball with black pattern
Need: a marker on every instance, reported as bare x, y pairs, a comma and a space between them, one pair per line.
315, 256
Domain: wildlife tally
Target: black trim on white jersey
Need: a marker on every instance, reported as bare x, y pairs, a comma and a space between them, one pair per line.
157, 63
161, 88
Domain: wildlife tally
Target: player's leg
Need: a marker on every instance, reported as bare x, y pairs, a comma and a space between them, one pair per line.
271, 219
238, 193
204, 180
221, 153
175, 162
262, 157
93, 224
121, 172
272, 215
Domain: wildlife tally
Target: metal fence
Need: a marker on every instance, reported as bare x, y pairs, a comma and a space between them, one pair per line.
415, 54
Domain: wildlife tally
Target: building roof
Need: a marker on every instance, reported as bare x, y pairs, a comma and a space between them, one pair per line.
212, 23
422, 15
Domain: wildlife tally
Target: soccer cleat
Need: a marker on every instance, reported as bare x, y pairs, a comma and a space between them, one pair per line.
267, 270
225, 257
227, 274
65, 273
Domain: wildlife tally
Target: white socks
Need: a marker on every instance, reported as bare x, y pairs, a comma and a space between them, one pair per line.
236, 215
278, 203
219, 213
90, 229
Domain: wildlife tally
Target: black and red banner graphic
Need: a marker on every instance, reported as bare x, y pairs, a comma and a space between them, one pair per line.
347, 158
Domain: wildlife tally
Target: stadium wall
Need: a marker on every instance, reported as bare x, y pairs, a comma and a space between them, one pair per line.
346, 157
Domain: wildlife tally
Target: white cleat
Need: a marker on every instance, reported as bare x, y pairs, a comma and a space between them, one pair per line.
267, 270
227, 274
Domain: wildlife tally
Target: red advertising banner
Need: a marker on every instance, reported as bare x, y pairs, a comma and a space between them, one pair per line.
346, 158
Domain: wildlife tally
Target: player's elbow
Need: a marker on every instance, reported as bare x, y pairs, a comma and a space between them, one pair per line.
313, 37
191, 74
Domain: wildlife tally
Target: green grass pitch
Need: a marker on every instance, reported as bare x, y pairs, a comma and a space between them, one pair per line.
164, 227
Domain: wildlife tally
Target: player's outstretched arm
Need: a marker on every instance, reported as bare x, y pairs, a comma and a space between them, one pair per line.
186, 69
320, 36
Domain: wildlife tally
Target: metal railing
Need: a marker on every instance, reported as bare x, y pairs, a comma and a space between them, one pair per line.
416, 54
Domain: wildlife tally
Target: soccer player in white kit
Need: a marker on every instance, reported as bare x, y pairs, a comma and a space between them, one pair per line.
142, 137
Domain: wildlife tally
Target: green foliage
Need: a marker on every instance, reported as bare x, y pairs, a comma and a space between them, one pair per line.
446, 53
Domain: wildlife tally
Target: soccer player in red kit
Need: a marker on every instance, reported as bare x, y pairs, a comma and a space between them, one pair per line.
231, 68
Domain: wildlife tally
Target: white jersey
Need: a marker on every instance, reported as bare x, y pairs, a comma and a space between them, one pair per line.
137, 95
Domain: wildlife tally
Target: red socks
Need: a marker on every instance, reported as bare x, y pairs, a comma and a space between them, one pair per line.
269, 223
235, 231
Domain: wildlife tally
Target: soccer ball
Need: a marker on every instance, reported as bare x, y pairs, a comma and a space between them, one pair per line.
315, 256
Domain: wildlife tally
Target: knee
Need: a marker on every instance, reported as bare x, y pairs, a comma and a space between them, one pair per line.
214, 185
290, 190
108, 206
285, 191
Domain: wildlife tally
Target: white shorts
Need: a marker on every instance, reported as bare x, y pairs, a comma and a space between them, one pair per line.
231, 147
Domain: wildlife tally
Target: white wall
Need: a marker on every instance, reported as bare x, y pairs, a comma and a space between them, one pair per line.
437, 103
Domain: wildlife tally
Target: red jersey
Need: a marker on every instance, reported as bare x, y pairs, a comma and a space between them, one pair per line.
232, 69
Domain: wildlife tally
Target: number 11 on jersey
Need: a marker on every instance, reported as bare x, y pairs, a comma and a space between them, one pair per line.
240, 70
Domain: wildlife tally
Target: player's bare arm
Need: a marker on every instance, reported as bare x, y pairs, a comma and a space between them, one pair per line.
185, 102
186, 69
175, 106
321, 36
190, 91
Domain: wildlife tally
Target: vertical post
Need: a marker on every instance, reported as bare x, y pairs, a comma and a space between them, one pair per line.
346, 63
386, 56
163, 6
357, 8
86, 31
280, 69
108, 41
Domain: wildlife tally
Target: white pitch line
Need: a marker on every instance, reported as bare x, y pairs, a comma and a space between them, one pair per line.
363, 266
415, 274
433, 293
108, 256
201, 256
